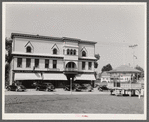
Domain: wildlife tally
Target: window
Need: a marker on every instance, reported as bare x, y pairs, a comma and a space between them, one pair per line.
46, 63
37, 63
54, 51
118, 84
83, 54
19, 62
89, 65
63, 51
74, 52
28, 49
71, 52
28, 62
83, 65
67, 51
54, 63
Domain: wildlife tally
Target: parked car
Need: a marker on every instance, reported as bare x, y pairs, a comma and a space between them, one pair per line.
15, 88
101, 88
75, 87
78, 87
44, 86
87, 87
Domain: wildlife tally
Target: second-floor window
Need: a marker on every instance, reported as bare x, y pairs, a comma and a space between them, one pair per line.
74, 52
28, 49
71, 52
19, 62
46, 63
83, 65
89, 65
54, 51
67, 51
54, 64
37, 63
83, 54
28, 62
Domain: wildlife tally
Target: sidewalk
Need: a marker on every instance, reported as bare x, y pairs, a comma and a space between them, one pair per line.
56, 92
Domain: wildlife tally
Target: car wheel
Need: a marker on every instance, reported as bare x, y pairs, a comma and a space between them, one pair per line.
37, 89
89, 90
8, 89
47, 89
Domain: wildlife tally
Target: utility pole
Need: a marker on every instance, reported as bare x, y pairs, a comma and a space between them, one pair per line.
133, 46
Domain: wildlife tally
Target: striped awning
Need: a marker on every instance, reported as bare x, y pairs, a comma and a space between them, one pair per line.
85, 77
27, 76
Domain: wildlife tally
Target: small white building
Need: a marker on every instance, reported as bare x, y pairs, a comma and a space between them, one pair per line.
105, 77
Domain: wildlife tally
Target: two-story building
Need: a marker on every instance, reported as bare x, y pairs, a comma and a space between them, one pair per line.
51, 59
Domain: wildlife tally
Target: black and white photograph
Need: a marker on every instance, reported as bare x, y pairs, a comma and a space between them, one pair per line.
74, 60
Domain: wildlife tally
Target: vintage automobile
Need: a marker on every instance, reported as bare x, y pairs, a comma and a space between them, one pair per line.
15, 88
103, 87
87, 87
78, 87
44, 86
75, 87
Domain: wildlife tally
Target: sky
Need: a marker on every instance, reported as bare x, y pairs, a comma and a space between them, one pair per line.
113, 26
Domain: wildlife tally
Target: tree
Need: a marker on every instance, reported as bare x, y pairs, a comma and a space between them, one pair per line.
8, 57
141, 75
97, 56
8, 48
108, 67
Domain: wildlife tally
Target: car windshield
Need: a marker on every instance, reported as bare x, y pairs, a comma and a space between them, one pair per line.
22, 86
47, 84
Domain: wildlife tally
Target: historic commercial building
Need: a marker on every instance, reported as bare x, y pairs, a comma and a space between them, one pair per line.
51, 59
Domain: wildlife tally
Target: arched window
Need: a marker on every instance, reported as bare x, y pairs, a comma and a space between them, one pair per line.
83, 53
28, 49
74, 52
54, 51
67, 51
71, 52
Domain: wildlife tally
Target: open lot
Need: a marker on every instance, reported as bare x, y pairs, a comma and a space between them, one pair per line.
83, 103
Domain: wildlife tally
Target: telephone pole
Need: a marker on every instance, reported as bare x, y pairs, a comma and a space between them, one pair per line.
133, 47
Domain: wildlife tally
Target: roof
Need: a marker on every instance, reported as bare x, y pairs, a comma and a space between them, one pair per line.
105, 74
87, 58
49, 37
37, 54
124, 69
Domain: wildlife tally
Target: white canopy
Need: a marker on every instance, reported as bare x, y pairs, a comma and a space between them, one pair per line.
54, 76
27, 76
85, 77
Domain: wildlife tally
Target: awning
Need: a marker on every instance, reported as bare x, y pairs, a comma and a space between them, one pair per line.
27, 76
85, 77
54, 76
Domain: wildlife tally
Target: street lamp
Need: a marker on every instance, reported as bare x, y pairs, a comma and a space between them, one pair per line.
71, 85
